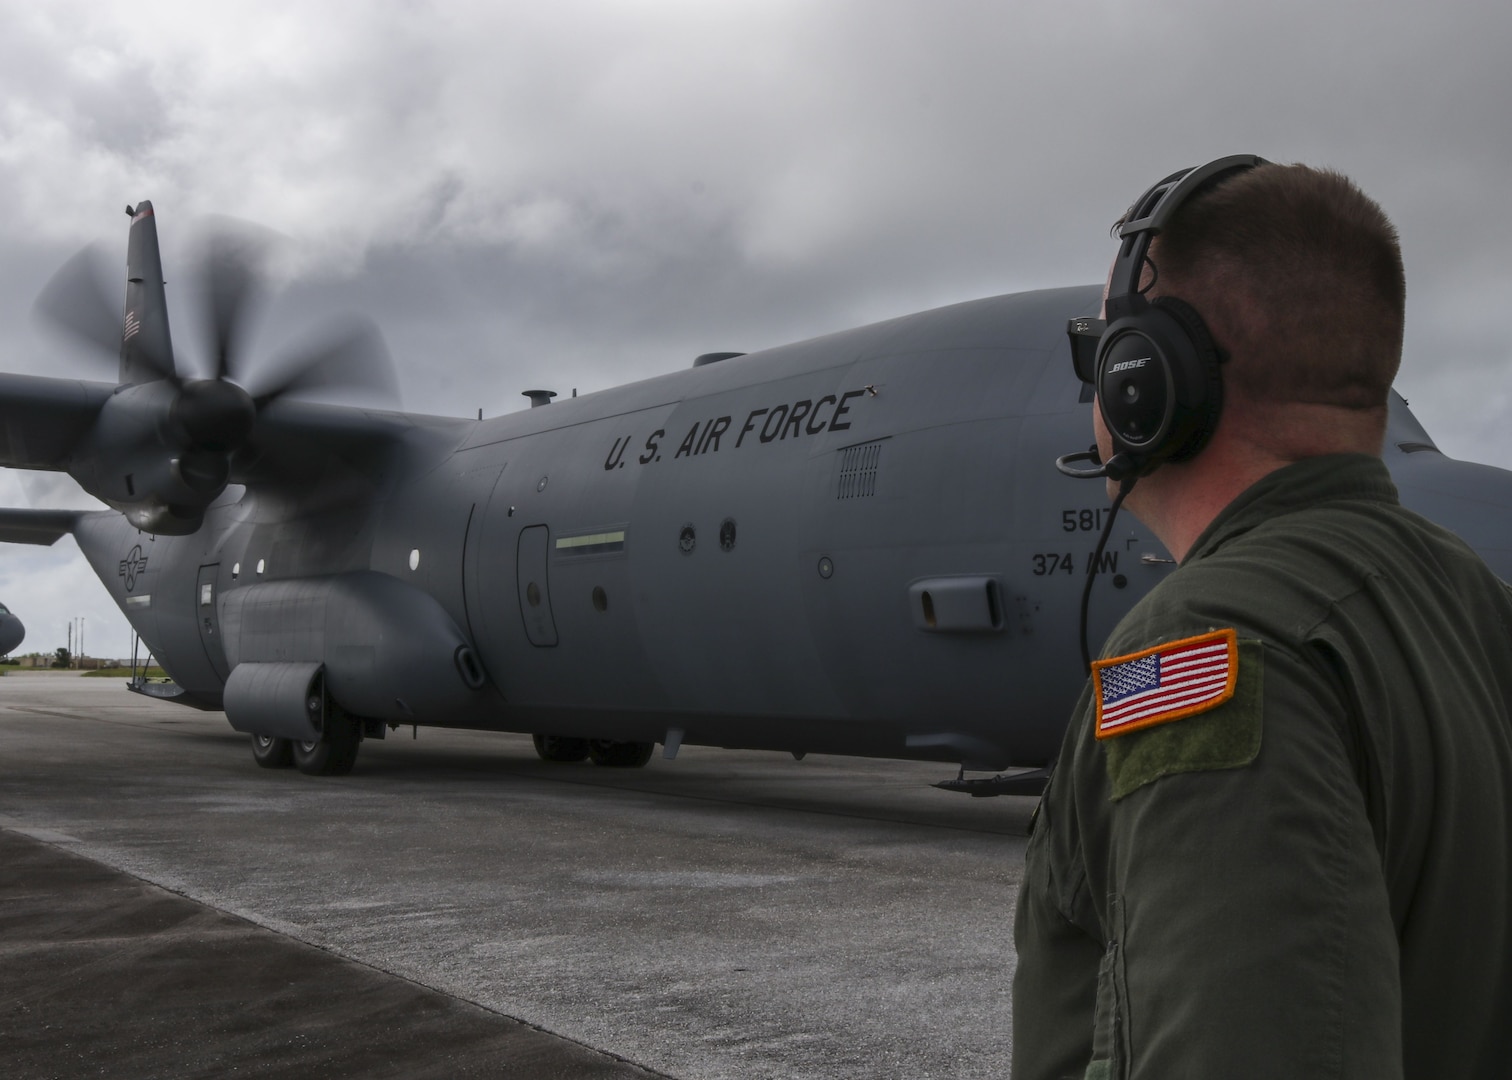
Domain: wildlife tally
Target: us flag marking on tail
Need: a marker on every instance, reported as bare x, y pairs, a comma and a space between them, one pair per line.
1165, 683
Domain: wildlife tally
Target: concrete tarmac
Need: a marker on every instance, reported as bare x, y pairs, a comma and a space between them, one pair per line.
102, 974
458, 907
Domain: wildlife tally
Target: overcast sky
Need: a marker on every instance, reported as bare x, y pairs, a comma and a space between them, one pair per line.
579, 194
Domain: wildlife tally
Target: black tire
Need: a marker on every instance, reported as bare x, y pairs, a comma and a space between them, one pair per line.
334, 754
272, 753
560, 748
620, 755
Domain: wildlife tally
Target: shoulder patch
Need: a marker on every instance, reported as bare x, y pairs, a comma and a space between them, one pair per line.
1164, 683
1226, 737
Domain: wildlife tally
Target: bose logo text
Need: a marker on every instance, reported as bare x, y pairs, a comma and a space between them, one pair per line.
1125, 365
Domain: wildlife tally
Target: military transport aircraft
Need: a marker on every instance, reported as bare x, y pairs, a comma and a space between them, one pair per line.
12, 633
857, 544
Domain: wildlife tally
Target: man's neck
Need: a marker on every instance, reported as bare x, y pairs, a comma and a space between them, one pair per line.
1178, 502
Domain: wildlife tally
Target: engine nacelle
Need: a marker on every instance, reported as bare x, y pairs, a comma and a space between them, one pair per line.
138, 460
389, 651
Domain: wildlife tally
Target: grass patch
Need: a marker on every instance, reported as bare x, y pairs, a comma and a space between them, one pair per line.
123, 672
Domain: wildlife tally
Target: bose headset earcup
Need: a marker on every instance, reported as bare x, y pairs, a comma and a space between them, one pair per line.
1134, 388
1158, 383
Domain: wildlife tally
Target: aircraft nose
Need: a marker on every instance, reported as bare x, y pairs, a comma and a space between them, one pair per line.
12, 633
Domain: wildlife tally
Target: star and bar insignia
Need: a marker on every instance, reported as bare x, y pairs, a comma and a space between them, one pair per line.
1165, 683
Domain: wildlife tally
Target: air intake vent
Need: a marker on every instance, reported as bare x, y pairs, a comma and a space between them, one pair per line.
858, 470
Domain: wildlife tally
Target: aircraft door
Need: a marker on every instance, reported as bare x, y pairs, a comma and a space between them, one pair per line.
207, 618
534, 589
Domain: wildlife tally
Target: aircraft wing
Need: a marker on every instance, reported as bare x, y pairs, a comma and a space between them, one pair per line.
42, 419
303, 444
339, 451
36, 526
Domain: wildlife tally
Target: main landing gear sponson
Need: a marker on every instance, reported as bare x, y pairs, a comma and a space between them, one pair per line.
606, 752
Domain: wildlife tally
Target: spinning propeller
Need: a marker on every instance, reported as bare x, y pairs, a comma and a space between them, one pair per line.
163, 447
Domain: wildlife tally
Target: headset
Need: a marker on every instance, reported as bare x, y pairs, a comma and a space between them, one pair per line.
1155, 366
1154, 363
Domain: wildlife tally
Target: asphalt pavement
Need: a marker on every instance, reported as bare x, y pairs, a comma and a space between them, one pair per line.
458, 907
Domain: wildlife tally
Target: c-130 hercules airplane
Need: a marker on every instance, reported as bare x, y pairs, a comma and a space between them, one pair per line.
857, 544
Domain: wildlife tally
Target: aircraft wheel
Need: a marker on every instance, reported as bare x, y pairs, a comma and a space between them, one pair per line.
560, 748
620, 755
272, 753
334, 754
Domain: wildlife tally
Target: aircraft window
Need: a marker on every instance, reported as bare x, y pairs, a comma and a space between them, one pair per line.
207, 594
4, 610
600, 598
261, 565
235, 571
414, 558
533, 594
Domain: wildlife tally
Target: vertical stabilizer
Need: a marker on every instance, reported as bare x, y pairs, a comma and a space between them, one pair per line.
146, 350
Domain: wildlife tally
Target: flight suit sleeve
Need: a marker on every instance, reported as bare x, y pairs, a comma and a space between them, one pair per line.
1248, 930
1055, 979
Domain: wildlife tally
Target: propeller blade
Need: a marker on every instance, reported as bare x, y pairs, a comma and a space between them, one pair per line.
350, 356
77, 303
229, 270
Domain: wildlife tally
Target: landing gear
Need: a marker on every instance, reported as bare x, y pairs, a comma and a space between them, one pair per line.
619, 755
335, 753
560, 748
272, 753
606, 752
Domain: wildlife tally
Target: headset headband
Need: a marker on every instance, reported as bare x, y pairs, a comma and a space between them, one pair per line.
1148, 215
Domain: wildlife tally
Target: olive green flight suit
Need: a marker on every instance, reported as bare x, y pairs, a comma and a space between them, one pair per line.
1314, 878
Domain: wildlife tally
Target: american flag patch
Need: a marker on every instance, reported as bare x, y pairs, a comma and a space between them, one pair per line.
1165, 683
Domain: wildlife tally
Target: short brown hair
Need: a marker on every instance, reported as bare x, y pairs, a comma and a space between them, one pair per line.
1299, 275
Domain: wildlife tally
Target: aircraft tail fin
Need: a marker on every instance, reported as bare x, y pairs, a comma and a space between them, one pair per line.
146, 348
42, 527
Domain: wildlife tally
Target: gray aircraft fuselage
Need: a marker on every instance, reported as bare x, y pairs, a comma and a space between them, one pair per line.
857, 544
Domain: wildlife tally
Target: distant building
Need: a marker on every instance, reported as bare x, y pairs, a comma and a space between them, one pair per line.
45, 660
